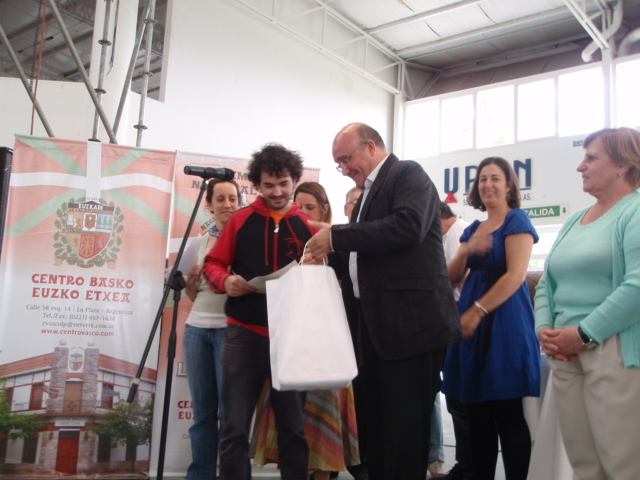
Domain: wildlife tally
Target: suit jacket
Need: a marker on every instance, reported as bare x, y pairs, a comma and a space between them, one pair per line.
406, 297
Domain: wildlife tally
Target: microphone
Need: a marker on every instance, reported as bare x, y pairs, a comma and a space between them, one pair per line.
207, 172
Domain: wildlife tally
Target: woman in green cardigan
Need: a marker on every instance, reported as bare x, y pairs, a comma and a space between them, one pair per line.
588, 313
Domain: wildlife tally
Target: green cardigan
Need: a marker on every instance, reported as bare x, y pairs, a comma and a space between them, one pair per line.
620, 312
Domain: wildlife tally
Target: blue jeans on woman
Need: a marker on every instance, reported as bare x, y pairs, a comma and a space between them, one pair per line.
203, 355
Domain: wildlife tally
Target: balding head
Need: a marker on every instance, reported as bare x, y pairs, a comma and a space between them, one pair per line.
358, 149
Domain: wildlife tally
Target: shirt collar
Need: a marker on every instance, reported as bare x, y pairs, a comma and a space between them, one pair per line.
372, 176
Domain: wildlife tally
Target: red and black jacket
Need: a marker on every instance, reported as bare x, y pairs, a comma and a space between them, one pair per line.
253, 245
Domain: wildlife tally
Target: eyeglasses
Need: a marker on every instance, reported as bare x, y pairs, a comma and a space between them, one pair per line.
344, 161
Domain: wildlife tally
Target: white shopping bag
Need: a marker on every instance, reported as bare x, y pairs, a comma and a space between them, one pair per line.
311, 347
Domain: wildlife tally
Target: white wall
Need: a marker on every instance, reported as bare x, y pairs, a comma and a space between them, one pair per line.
259, 85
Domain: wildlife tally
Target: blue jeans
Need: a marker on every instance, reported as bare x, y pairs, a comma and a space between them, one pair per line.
246, 365
203, 355
436, 440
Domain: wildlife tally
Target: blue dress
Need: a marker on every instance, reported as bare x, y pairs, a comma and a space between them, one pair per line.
500, 361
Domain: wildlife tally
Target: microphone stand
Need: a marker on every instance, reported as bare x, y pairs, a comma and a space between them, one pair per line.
177, 283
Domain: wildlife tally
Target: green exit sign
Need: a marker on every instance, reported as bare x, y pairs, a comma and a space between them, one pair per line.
543, 212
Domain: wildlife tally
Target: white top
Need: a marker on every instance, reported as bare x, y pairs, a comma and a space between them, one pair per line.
451, 244
208, 308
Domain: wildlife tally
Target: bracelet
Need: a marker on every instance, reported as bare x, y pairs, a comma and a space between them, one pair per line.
484, 310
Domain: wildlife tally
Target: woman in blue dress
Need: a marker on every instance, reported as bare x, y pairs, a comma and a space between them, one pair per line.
498, 363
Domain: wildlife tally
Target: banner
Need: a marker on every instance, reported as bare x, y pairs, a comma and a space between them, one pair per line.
187, 188
83, 271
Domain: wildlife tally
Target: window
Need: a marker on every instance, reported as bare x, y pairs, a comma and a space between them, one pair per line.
569, 103
494, 117
108, 393
131, 451
104, 448
628, 94
537, 109
9, 393
37, 394
29, 450
457, 123
73, 397
580, 102
422, 129
3, 449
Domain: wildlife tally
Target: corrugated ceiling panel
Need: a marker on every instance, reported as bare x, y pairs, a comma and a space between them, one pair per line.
370, 13
501, 11
459, 21
408, 35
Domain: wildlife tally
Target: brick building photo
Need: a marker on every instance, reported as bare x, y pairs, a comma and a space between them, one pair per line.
72, 391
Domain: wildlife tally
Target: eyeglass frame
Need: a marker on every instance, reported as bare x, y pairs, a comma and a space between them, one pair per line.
345, 160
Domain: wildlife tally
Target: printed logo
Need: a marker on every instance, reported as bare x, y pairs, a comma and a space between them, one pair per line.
76, 361
88, 233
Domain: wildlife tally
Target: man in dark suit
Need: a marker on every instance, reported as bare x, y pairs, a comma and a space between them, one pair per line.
406, 311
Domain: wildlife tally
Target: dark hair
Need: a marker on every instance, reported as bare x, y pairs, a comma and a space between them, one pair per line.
366, 133
275, 160
513, 196
445, 211
215, 181
319, 193
623, 146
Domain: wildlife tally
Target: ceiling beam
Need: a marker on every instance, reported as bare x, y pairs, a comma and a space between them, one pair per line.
412, 52
356, 56
422, 16
510, 59
516, 56
584, 20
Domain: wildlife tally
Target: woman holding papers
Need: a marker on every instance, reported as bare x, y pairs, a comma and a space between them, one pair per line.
204, 337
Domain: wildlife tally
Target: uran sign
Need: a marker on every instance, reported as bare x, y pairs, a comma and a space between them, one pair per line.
546, 170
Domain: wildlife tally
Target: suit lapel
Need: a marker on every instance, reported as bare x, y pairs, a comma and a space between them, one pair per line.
378, 182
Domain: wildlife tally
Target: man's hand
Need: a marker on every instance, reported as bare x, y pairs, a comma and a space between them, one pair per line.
235, 286
320, 244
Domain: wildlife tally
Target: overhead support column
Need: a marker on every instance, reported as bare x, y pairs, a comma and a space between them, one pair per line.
611, 22
399, 106
104, 43
81, 69
134, 50
122, 21
150, 22
607, 84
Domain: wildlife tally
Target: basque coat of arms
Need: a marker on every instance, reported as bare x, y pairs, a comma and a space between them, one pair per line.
87, 233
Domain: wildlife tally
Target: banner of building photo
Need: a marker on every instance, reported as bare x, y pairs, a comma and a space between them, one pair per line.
187, 188
82, 273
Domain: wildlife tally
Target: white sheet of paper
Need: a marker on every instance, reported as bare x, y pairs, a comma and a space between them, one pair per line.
189, 256
260, 283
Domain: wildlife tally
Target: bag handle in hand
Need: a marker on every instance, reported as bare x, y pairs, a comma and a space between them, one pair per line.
301, 262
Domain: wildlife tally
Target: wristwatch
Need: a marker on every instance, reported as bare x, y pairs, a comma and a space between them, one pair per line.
587, 341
